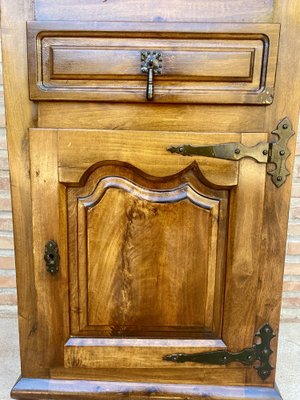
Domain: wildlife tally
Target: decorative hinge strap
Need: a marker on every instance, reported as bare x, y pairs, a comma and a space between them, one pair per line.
264, 152
258, 352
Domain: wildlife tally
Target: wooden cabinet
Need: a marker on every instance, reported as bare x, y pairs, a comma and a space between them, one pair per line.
150, 165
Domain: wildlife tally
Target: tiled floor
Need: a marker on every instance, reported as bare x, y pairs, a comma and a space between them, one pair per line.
288, 371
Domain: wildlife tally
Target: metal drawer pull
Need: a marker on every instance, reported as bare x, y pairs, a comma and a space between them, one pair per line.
151, 65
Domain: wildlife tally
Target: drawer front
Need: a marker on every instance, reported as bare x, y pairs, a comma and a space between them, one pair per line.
211, 63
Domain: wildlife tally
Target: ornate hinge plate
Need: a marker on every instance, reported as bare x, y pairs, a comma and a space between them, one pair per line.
265, 152
258, 352
51, 257
279, 152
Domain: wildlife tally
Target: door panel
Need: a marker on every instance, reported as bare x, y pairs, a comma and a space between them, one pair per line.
170, 239
140, 270
81, 151
133, 353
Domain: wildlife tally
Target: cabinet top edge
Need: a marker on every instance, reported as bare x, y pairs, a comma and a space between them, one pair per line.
168, 27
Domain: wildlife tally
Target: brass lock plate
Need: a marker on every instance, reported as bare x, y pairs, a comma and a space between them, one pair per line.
51, 257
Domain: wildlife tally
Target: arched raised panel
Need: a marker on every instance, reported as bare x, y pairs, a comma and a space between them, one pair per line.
146, 256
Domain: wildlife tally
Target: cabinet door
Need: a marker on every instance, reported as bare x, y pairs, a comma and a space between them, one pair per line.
158, 252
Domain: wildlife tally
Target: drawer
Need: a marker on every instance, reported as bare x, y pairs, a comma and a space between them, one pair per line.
192, 63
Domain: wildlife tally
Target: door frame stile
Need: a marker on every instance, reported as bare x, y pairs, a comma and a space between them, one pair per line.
277, 200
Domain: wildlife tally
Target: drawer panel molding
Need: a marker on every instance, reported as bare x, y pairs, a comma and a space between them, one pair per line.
202, 63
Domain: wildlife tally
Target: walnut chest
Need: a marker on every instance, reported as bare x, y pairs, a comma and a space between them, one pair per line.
151, 145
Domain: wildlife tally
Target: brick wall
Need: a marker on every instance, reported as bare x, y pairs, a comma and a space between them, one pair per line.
291, 288
291, 295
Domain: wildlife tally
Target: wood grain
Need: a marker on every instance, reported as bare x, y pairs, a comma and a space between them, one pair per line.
133, 353
162, 117
134, 264
276, 205
135, 245
208, 376
50, 290
147, 151
27, 389
243, 265
20, 114
115, 59
157, 10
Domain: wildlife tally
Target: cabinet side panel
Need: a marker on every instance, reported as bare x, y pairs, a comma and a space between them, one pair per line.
277, 200
19, 116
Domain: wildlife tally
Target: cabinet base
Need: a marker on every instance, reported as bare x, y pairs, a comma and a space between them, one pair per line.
30, 389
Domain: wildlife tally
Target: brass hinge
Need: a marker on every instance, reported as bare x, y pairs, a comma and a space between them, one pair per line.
275, 152
258, 352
